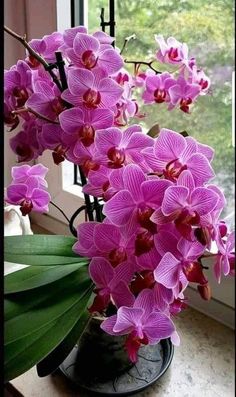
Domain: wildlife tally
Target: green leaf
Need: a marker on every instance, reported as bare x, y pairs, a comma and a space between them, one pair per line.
41, 250
154, 131
37, 321
50, 363
39, 244
36, 276
43, 260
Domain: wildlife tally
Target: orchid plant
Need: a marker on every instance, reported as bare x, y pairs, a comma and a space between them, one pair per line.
157, 213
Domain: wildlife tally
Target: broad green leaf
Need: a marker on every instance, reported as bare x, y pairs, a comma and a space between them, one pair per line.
50, 363
43, 260
36, 276
34, 331
21, 302
39, 244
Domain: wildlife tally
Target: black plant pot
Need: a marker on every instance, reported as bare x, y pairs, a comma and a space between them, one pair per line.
99, 363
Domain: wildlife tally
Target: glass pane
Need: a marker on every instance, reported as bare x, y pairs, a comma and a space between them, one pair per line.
208, 29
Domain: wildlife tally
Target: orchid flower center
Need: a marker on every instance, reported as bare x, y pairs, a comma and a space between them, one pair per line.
89, 165
160, 95
21, 96
173, 170
116, 157
57, 105
116, 256
92, 98
173, 54
144, 243
185, 220
203, 83
143, 216
184, 104
26, 206
58, 154
144, 279
89, 59
86, 134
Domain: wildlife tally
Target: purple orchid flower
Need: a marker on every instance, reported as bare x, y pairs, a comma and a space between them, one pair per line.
118, 148
126, 107
21, 174
199, 77
133, 206
69, 36
83, 156
179, 262
54, 138
91, 89
87, 52
183, 94
171, 51
111, 284
157, 88
172, 154
225, 259
82, 124
27, 143
142, 322
29, 196
46, 100
99, 184
187, 205
104, 240
46, 47
17, 88
146, 264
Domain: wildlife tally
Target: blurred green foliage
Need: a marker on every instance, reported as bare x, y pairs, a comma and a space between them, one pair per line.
207, 26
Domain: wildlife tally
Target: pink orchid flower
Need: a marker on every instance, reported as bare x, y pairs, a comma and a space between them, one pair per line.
29, 196
20, 174
54, 138
82, 124
187, 206
157, 88
27, 144
183, 94
89, 53
104, 240
142, 323
225, 259
171, 51
91, 89
118, 148
133, 206
172, 154
46, 100
46, 47
179, 261
111, 284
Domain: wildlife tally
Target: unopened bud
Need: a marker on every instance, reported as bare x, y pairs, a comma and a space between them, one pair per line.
205, 291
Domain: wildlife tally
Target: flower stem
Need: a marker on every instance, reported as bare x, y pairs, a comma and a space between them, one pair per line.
46, 65
138, 63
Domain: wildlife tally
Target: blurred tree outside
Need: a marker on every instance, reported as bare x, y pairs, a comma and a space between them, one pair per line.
207, 26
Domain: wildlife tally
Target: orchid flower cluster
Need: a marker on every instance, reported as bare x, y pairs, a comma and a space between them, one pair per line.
161, 211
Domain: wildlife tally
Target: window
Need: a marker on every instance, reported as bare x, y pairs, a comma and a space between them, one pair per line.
208, 28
